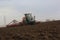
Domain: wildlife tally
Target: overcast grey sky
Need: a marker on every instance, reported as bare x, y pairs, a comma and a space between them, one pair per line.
42, 9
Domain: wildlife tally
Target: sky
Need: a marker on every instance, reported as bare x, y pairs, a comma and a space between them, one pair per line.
42, 9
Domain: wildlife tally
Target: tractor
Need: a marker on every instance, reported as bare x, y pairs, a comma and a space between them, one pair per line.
28, 19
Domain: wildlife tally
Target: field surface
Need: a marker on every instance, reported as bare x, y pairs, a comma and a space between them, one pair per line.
42, 31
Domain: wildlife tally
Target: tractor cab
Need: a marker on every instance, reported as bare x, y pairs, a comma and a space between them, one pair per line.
29, 19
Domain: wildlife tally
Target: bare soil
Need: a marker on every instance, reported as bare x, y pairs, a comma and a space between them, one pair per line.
42, 31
